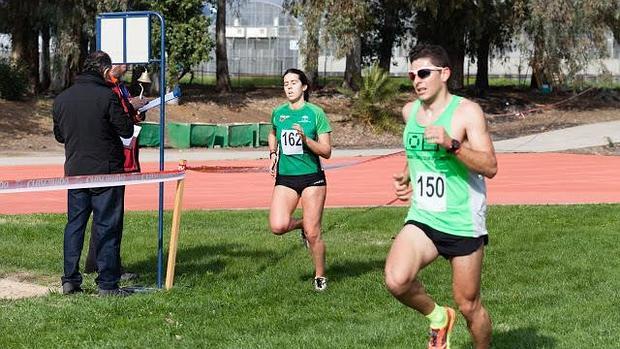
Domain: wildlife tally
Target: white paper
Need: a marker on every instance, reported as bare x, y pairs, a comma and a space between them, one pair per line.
156, 102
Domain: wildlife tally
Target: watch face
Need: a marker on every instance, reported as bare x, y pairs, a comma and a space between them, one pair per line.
454, 146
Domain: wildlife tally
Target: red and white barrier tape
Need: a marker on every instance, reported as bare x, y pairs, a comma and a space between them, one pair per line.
257, 169
92, 181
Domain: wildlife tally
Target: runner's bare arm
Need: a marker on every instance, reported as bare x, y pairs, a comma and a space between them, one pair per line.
401, 183
406, 110
477, 151
402, 187
273, 151
321, 147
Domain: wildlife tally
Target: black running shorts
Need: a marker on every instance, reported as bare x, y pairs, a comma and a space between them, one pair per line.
301, 182
449, 245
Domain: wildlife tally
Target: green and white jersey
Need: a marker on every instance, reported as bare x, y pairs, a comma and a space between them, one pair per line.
446, 194
294, 156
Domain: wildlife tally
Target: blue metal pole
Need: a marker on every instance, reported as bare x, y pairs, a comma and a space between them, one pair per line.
162, 128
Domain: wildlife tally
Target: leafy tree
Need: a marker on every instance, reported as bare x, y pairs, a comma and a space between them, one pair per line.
72, 25
339, 21
187, 38
445, 23
19, 18
347, 21
391, 21
566, 35
491, 30
311, 13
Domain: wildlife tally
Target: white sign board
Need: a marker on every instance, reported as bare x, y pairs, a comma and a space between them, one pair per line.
126, 39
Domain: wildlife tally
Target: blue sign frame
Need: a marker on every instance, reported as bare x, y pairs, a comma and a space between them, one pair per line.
162, 111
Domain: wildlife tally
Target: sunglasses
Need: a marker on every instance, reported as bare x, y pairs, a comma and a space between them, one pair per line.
423, 73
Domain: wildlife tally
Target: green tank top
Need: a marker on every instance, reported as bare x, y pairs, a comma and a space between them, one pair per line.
447, 196
294, 156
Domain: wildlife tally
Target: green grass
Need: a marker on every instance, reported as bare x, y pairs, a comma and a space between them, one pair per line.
550, 280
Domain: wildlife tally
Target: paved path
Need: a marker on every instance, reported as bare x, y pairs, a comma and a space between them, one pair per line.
583, 136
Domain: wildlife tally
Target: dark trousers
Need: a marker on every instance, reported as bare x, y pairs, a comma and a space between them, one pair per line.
90, 265
107, 207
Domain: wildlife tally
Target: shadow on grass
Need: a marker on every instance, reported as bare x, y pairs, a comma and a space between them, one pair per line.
527, 337
349, 269
206, 259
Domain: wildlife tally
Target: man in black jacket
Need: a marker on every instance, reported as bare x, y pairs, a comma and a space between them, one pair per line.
89, 120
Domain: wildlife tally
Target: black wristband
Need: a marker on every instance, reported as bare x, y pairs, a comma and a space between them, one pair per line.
271, 153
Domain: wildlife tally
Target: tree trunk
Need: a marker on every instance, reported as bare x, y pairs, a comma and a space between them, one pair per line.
25, 41
537, 65
311, 48
221, 59
45, 57
311, 62
353, 69
385, 52
387, 38
457, 60
482, 63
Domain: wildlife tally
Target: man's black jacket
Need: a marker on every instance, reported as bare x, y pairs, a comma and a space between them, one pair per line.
88, 119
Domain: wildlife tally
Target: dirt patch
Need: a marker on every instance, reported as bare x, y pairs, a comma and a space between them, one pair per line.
27, 126
21, 286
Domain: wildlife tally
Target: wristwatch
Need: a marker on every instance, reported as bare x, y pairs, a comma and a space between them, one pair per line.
454, 147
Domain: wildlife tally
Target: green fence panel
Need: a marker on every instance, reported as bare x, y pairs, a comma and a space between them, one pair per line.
149, 134
202, 135
221, 136
179, 134
264, 128
241, 135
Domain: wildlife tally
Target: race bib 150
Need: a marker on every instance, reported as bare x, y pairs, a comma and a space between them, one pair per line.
430, 191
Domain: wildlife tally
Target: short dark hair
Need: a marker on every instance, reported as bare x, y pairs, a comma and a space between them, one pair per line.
97, 62
436, 53
302, 77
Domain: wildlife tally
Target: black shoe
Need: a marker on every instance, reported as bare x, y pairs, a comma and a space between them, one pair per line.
117, 292
69, 288
128, 275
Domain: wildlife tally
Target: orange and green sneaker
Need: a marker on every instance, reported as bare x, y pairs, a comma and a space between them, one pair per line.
440, 337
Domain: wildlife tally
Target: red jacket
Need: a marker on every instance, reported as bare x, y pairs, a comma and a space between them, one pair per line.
131, 152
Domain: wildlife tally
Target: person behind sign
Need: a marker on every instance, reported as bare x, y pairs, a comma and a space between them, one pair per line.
300, 136
131, 151
449, 152
89, 121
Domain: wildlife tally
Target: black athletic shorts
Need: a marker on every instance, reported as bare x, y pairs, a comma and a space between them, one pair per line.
451, 245
301, 182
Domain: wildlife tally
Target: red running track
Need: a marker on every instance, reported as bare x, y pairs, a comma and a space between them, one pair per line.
541, 178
